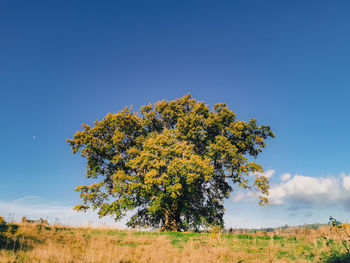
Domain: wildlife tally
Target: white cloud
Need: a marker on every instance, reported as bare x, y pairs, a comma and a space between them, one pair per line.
306, 189
346, 181
285, 177
330, 190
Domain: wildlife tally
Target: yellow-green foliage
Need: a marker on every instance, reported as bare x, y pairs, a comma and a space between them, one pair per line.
174, 163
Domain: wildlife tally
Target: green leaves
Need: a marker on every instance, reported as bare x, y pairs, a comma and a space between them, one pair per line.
173, 165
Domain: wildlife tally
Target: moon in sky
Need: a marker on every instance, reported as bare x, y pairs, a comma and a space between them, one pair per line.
34, 137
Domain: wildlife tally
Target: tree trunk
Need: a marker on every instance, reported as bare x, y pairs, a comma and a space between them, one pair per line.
170, 222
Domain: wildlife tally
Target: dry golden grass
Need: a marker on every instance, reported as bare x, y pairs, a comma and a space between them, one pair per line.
60, 244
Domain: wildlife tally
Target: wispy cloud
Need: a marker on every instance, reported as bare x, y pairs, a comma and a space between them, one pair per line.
238, 197
36, 207
269, 173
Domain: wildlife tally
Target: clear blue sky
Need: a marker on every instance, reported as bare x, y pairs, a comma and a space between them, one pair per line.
285, 63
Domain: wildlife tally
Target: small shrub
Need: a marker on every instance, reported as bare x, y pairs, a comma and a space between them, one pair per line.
3, 225
215, 231
339, 252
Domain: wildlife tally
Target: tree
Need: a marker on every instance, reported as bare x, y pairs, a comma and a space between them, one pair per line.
172, 165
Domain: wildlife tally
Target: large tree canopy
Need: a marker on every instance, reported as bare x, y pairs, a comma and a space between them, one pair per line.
172, 165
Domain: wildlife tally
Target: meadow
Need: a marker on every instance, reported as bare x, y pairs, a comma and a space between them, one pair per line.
56, 243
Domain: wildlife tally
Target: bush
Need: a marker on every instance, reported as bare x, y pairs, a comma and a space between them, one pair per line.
3, 229
6, 233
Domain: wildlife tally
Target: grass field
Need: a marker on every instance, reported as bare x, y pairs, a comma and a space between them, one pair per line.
40, 243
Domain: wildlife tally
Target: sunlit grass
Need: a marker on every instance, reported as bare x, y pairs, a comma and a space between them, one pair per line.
39, 243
